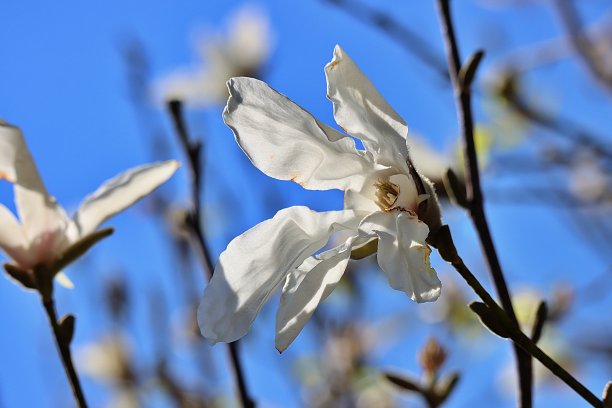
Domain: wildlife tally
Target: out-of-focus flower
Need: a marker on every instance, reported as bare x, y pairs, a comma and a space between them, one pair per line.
339, 375
242, 52
450, 310
386, 203
588, 180
109, 360
45, 233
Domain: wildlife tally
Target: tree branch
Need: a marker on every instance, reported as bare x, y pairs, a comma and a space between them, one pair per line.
444, 243
474, 192
192, 150
62, 331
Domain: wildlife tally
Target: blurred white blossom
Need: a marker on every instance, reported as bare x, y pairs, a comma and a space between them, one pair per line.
44, 232
242, 51
105, 359
382, 205
588, 180
108, 360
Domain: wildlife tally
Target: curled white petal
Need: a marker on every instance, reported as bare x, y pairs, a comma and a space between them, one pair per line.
306, 287
118, 193
403, 254
257, 262
286, 142
362, 112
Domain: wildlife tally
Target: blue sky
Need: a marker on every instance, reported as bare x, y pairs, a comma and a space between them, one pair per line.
63, 81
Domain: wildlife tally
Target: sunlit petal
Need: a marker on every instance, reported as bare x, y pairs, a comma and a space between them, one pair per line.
257, 262
288, 143
305, 288
362, 112
403, 254
118, 193
43, 220
64, 280
12, 240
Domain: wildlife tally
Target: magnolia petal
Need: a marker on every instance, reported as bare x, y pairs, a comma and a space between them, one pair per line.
257, 262
12, 240
403, 254
305, 288
118, 193
286, 142
64, 280
43, 220
362, 112
363, 200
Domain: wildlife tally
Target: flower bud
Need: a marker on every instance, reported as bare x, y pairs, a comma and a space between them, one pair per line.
432, 356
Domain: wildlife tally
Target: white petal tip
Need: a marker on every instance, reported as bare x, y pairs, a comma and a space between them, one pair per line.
280, 346
64, 280
336, 59
429, 296
173, 164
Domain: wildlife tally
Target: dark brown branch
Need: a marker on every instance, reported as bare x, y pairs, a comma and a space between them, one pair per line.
474, 193
443, 241
192, 150
63, 346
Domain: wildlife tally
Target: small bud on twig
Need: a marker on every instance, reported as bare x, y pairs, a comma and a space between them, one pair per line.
489, 319
607, 395
540, 320
432, 356
66, 328
468, 70
455, 188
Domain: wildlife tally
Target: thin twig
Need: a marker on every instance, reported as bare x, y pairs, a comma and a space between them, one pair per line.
64, 350
474, 192
192, 150
448, 252
520, 339
559, 125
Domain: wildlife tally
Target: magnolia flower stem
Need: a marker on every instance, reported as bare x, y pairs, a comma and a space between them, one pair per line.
64, 350
192, 151
474, 192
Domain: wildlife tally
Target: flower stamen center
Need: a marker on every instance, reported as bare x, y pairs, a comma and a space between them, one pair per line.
386, 194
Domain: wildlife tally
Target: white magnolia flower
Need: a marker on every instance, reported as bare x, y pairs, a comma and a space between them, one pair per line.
243, 51
382, 204
45, 232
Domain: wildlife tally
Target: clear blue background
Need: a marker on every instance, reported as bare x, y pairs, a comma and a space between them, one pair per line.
63, 81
